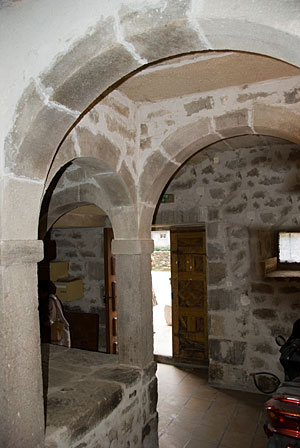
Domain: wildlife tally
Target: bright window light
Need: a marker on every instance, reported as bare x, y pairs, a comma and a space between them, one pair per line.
289, 247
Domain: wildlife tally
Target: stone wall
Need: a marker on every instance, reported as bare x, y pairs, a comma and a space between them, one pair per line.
115, 406
83, 249
244, 190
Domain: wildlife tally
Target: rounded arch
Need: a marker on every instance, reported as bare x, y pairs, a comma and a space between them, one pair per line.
273, 121
86, 181
120, 42
95, 65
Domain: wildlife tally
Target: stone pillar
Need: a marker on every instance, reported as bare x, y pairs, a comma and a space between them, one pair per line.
21, 395
134, 290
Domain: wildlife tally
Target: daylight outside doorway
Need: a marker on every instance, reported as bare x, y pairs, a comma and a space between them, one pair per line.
161, 285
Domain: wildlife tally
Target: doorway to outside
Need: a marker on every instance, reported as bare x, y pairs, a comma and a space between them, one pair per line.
180, 295
161, 293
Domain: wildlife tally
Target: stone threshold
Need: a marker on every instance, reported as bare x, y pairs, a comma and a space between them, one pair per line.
81, 389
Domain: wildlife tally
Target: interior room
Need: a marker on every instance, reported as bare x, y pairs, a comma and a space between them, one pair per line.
120, 118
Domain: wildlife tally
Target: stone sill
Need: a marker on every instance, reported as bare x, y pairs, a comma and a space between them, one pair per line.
82, 389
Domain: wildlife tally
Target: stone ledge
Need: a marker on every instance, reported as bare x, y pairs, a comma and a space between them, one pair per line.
83, 389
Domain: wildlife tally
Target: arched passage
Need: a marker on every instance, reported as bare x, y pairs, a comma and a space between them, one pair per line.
42, 104
277, 121
243, 190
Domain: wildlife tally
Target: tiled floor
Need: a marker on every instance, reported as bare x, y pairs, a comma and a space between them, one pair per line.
194, 415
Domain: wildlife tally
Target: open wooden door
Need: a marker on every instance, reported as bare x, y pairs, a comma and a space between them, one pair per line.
189, 306
110, 294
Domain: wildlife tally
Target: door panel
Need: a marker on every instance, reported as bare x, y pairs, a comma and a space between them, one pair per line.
188, 264
110, 294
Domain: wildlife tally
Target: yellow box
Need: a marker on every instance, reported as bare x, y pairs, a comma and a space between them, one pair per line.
58, 269
69, 289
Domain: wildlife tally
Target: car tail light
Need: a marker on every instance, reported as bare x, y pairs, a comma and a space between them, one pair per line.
284, 415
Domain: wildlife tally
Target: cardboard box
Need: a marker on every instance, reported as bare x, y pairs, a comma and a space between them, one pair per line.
58, 269
69, 289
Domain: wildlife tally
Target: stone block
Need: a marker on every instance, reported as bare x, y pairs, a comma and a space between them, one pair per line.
196, 106
117, 105
215, 251
113, 189
293, 96
217, 193
215, 372
115, 125
265, 348
33, 157
213, 214
191, 138
20, 252
30, 105
152, 396
129, 181
150, 434
21, 198
150, 186
124, 222
81, 87
262, 288
216, 273
257, 363
279, 121
217, 326
265, 313
233, 123
66, 154
227, 352
135, 20
212, 230
149, 372
235, 209
98, 39
289, 289
165, 41
98, 147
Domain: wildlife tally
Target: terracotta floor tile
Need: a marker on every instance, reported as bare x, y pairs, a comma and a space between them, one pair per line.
170, 374
208, 433
243, 423
195, 443
236, 440
193, 414
163, 421
197, 403
170, 441
177, 431
186, 423
220, 420
259, 442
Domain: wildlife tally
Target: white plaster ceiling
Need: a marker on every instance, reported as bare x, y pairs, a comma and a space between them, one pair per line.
201, 73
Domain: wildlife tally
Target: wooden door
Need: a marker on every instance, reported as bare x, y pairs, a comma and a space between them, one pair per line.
110, 294
189, 306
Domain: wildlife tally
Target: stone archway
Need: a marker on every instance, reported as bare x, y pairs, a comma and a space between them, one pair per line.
276, 121
42, 104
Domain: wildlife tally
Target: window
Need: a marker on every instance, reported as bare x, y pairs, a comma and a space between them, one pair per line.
289, 247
